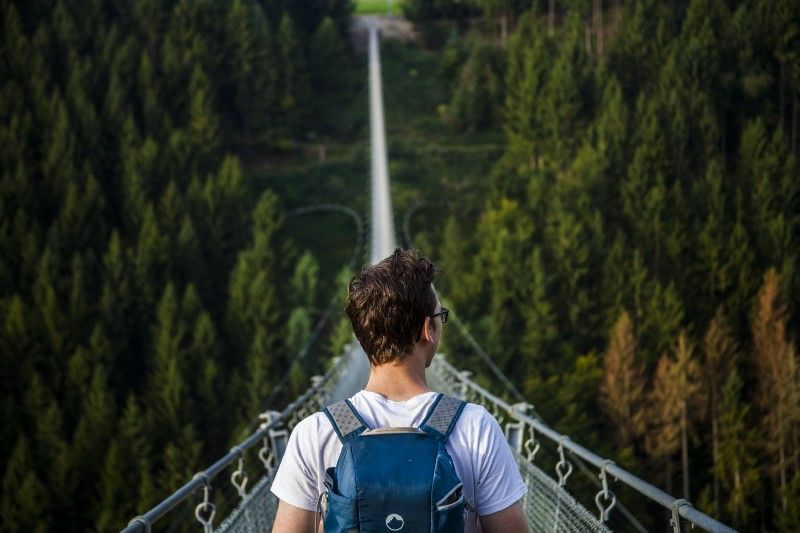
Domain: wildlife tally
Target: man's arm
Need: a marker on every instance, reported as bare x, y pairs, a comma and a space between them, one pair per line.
509, 520
291, 519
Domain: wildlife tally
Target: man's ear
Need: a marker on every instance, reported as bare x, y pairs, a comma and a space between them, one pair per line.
427, 329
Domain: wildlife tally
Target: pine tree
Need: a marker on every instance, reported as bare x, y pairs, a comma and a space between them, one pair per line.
778, 387
151, 261
342, 332
721, 355
637, 52
47, 301
717, 271
252, 63
203, 124
456, 255
79, 225
736, 469
644, 188
167, 396
263, 113
661, 317
90, 441
209, 394
507, 233
541, 332
767, 165
114, 506
294, 88
689, 385
261, 372
180, 459
58, 163
623, 385
252, 302
238, 54
117, 302
474, 102
135, 451
48, 443
526, 75
567, 239
148, 87
183, 48
327, 59
663, 438
25, 503
220, 215
612, 129
565, 110
298, 329
304, 281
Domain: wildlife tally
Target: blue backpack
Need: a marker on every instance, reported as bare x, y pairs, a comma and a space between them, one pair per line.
394, 479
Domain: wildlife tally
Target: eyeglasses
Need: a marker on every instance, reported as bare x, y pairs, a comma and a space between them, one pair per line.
443, 313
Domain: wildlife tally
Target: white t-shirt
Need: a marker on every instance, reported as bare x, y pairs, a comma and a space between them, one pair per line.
480, 453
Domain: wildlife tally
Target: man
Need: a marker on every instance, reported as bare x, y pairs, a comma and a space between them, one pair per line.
397, 317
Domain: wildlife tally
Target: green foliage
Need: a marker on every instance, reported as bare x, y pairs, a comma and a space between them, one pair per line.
294, 82
474, 104
121, 221
304, 281
25, 503
737, 469
657, 178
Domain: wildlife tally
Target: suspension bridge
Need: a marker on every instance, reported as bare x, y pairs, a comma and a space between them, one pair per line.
548, 505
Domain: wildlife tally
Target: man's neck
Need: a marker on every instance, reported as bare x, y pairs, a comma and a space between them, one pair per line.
399, 381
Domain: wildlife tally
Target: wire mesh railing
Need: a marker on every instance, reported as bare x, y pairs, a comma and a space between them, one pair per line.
549, 507
256, 510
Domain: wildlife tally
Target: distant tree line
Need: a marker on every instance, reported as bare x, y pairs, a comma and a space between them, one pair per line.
144, 298
637, 263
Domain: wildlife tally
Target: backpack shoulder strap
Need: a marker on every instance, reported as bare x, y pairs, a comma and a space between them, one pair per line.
345, 420
442, 416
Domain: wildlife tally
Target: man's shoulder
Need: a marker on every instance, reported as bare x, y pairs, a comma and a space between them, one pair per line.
311, 426
476, 413
476, 421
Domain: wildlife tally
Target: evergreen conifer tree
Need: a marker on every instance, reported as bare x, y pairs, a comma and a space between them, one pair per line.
720, 360
736, 468
294, 82
777, 384
203, 125
564, 106
25, 503
304, 281
623, 385
168, 389
526, 75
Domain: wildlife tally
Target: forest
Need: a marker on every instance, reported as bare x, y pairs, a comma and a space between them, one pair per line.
635, 262
150, 300
610, 188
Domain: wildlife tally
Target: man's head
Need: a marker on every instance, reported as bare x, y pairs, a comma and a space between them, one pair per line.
388, 304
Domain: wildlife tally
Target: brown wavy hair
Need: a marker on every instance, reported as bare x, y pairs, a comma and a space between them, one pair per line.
387, 304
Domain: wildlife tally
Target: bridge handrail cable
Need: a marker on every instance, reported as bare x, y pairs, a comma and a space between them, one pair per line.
142, 523
676, 505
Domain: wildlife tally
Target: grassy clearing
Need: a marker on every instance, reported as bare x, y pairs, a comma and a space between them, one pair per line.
378, 7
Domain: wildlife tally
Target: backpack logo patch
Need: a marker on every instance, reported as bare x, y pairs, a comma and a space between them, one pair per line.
395, 522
